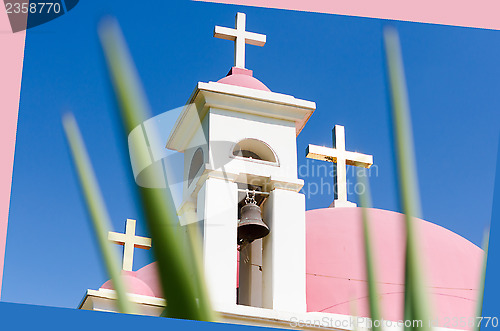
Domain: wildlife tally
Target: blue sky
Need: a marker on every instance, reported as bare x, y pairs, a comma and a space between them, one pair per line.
336, 61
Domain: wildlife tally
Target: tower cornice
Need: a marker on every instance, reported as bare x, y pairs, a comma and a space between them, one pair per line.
240, 99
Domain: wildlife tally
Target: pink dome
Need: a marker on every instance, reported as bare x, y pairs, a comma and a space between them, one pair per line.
336, 280
243, 77
149, 274
133, 283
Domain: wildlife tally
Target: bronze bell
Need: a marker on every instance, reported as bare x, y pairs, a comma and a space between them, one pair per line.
251, 226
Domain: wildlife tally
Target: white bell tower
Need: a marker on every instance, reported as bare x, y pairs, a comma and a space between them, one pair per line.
236, 134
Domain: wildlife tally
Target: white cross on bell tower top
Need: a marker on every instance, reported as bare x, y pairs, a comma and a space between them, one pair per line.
240, 37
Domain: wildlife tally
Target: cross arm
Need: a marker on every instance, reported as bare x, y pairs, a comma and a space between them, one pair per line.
320, 153
359, 159
142, 242
251, 38
330, 154
224, 33
116, 238
256, 39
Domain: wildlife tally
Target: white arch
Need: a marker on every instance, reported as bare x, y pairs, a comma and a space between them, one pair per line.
255, 149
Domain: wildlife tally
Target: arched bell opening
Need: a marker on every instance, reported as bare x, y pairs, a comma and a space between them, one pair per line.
256, 150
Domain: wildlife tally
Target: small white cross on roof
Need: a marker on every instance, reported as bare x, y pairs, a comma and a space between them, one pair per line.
240, 38
130, 241
342, 159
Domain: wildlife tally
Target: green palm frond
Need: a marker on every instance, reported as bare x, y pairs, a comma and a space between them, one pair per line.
416, 301
373, 294
480, 292
180, 274
97, 209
